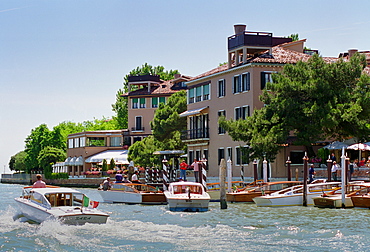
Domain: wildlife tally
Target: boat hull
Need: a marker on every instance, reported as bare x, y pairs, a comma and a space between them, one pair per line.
286, 200
332, 202
361, 201
111, 196
67, 215
188, 205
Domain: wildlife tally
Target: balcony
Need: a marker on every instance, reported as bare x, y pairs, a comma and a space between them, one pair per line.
259, 39
137, 129
195, 134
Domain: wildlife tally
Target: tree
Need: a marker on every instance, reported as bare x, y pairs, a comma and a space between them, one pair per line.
17, 162
141, 152
49, 156
104, 165
120, 106
167, 125
310, 101
112, 164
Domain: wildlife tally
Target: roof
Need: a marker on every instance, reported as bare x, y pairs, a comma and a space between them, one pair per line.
119, 156
55, 190
192, 112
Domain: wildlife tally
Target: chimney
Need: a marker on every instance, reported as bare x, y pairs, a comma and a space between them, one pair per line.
239, 28
351, 52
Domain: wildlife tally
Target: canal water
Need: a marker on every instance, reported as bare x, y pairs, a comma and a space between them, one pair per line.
240, 227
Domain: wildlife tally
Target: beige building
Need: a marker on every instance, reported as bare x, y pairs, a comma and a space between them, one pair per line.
145, 93
233, 90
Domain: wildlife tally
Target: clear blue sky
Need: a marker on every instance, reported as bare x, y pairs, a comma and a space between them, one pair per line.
65, 60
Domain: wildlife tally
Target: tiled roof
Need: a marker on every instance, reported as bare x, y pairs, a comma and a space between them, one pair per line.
164, 88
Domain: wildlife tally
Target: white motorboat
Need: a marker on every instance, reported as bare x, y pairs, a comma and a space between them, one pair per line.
132, 193
65, 204
187, 197
293, 196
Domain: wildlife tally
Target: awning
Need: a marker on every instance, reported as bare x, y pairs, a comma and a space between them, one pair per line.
192, 112
119, 156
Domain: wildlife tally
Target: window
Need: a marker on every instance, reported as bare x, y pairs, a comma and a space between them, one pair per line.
220, 129
115, 141
266, 77
191, 157
136, 139
82, 141
221, 88
242, 112
206, 92
154, 102
198, 94
142, 103
135, 103
242, 155
95, 141
236, 84
296, 157
221, 155
76, 143
246, 81
191, 95
162, 100
70, 143
198, 126
138, 123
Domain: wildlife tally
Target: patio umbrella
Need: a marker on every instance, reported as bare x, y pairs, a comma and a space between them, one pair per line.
336, 145
360, 147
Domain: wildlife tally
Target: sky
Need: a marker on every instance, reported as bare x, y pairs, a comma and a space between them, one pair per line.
65, 60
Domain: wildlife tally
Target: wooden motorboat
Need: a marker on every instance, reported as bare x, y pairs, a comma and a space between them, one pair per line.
362, 199
248, 193
213, 189
187, 197
133, 193
334, 198
293, 196
65, 204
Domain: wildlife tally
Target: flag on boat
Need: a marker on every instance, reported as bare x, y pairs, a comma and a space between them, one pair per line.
90, 203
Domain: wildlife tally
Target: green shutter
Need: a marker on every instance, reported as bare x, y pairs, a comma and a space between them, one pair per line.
142, 100
154, 102
162, 100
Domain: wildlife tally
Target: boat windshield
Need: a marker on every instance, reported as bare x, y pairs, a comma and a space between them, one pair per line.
65, 199
186, 188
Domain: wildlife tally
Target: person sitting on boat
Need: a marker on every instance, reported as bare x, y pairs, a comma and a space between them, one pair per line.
134, 177
125, 180
119, 177
183, 167
106, 184
39, 183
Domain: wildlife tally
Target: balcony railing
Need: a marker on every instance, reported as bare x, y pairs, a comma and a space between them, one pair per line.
195, 134
137, 129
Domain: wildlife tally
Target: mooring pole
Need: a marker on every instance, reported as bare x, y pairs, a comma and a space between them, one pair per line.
223, 202
343, 178
255, 171
329, 164
305, 165
288, 162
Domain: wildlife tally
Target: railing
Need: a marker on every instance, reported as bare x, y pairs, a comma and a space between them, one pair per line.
195, 134
137, 129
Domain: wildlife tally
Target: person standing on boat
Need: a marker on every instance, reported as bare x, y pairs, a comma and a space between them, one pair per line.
125, 180
134, 177
311, 173
183, 167
39, 183
334, 170
106, 184
195, 166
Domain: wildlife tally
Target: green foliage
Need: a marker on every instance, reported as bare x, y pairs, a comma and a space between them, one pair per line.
141, 152
294, 36
61, 175
323, 153
49, 156
104, 166
120, 106
312, 101
17, 162
167, 125
112, 164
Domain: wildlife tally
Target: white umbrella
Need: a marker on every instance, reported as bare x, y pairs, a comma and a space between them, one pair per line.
359, 146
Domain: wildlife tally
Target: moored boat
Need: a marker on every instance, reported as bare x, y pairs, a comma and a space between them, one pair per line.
133, 193
293, 196
362, 200
248, 193
187, 197
65, 204
334, 199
